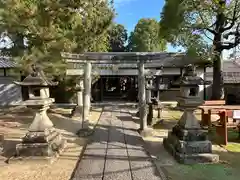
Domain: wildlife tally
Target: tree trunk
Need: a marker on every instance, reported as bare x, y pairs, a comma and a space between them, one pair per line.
217, 87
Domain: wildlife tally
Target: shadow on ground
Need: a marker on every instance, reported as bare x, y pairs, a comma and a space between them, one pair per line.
125, 135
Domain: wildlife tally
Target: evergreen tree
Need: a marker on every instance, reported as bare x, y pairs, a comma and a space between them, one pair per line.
40, 30
117, 38
145, 37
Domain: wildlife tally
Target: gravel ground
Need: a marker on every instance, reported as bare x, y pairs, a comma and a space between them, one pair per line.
14, 126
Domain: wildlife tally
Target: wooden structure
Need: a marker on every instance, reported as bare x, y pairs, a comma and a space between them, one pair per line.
225, 118
226, 121
206, 114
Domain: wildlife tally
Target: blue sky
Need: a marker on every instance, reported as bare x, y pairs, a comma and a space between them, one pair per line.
130, 11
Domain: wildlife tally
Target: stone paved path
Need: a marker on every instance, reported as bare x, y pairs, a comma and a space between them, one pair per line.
116, 151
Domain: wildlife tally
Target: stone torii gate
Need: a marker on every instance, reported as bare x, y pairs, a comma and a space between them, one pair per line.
83, 63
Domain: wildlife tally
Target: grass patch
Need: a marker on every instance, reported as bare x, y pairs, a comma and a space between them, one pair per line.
202, 172
228, 169
233, 147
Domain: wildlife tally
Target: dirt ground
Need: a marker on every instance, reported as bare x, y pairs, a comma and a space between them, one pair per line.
14, 125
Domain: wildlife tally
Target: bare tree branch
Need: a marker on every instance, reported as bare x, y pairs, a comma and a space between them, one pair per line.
208, 29
235, 17
231, 45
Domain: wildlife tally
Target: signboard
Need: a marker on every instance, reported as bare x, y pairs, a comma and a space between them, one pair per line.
236, 114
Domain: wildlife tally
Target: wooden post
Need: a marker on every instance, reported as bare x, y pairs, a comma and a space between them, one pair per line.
142, 96
87, 90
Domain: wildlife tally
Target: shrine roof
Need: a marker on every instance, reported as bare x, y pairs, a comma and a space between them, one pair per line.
37, 79
5, 62
129, 59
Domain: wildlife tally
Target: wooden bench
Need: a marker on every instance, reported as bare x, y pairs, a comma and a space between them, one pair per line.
226, 121
206, 115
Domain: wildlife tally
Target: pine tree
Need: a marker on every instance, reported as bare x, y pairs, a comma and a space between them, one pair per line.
40, 30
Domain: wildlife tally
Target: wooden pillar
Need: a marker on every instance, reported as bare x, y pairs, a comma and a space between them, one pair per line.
87, 90
142, 96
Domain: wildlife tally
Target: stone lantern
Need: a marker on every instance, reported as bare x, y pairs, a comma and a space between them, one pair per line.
187, 141
41, 139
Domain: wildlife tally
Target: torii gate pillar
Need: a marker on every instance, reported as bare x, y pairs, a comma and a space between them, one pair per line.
144, 129
87, 91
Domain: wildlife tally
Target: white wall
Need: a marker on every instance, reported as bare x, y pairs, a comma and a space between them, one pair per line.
9, 92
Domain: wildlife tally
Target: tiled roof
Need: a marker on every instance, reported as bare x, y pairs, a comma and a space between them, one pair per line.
228, 77
231, 77
6, 63
231, 72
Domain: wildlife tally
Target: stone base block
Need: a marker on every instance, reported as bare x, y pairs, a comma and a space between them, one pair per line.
77, 112
189, 147
190, 158
190, 134
146, 132
41, 145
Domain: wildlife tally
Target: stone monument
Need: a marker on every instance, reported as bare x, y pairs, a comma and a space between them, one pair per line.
42, 139
187, 141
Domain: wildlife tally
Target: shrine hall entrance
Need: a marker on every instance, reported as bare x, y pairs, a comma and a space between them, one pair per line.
115, 88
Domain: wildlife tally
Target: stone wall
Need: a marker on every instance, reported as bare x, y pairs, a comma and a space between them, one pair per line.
9, 92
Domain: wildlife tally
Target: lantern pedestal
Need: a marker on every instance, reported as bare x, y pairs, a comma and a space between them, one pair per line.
42, 139
188, 143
